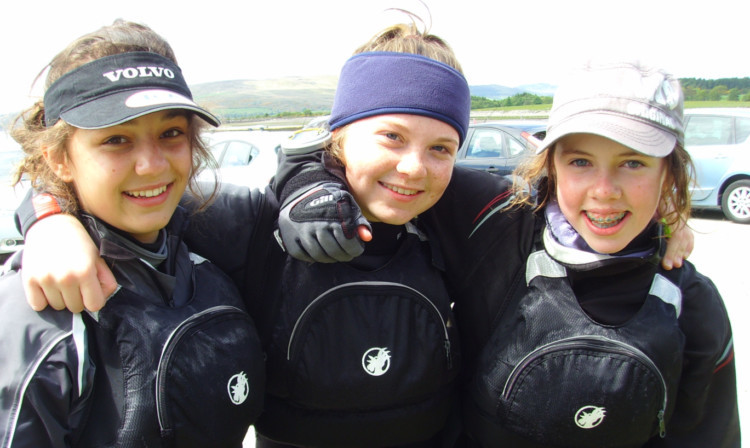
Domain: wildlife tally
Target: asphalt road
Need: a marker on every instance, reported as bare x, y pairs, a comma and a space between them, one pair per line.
721, 251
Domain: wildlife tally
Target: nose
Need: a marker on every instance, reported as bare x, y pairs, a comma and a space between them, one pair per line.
412, 163
606, 186
150, 159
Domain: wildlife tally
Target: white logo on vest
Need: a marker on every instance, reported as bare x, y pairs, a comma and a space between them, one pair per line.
376, 361
590, 416
238, 388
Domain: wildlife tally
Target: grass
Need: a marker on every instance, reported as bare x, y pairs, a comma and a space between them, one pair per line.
695, 104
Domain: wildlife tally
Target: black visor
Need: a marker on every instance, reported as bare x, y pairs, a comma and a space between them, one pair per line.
119, 88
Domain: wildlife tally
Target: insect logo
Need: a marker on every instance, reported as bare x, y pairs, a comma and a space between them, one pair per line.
376, 361
238, 388
590, 416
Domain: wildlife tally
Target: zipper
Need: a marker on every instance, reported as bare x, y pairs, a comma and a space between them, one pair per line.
166, 353
593, 342
378, 287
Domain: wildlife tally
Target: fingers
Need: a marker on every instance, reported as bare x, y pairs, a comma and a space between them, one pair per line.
97, 288
106, 278
60, 266
35, 296
679, 247
365, 234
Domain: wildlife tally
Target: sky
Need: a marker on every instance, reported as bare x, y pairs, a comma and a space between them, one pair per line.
503, 42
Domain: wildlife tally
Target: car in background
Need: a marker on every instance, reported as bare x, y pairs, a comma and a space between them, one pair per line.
10, 197
717, 141
499, 146
244, 157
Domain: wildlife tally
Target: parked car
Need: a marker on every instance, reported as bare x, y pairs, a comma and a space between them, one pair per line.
717, 140
499, 146
10, 197
244, 157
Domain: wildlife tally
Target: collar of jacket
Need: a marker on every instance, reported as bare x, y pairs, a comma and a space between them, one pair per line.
171, 283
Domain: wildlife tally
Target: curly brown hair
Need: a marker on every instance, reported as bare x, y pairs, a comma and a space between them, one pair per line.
35, 138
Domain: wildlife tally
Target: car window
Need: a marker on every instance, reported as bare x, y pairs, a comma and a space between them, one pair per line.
741, 129
708, 130
515, 148
237, 154
485, 143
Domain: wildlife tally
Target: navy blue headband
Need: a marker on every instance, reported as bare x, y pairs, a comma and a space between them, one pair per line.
118, 88
378, 83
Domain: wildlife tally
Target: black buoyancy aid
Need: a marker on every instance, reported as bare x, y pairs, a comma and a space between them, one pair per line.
191, 375
362, 358
551, 376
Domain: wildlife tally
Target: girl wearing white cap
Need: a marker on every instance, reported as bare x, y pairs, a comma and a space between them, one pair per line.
589, 343
117, 136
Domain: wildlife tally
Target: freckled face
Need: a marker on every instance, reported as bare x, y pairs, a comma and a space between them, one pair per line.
132, 175
398, 165
607, 191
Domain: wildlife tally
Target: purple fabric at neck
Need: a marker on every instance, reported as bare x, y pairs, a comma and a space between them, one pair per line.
565, 234
379, 83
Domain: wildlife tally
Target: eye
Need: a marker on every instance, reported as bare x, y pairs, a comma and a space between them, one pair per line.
449, 149
172, 133
633, 164
392, 136
116, 140
580, 162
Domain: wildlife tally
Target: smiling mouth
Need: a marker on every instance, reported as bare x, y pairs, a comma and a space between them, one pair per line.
147, 193
605, 222
400, 190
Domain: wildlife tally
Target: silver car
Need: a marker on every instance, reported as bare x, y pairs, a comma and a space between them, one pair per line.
717, 140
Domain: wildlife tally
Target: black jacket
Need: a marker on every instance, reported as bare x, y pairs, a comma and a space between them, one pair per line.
128, 373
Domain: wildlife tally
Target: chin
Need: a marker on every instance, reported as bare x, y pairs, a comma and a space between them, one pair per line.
607, 247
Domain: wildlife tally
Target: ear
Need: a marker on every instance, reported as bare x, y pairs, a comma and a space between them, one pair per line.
59, 163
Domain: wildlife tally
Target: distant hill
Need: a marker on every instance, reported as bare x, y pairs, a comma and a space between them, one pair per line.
498, 92
297, 94
269, 96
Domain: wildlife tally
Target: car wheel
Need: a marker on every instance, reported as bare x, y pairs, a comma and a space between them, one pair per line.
735, 202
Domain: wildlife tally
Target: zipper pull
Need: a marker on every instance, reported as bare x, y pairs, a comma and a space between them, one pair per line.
662, 425
448, 357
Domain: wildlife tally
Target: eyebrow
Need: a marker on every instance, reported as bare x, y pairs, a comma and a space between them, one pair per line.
401, 127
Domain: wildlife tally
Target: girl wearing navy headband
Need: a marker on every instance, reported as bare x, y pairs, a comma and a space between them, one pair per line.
117, 136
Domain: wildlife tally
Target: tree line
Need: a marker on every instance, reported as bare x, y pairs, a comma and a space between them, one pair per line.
695, 89
519, 99
726, 89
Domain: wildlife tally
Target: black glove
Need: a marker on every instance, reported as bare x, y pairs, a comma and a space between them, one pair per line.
320, 224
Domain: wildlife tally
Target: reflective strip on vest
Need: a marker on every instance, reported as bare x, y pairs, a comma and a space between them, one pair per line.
668, 292
540, 263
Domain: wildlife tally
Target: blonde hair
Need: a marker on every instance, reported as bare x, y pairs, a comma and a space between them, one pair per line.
29, 128
539, 173
401, 38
